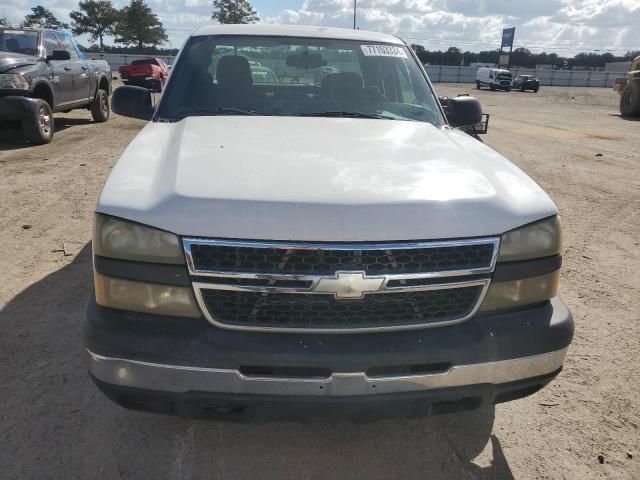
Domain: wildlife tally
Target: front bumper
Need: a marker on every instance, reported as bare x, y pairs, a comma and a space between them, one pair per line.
15, 107
169, 365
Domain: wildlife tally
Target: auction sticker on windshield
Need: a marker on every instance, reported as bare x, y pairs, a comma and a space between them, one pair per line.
383, 51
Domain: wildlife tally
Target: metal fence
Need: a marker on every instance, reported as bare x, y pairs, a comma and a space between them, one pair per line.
440, 73
562, 78
116, 60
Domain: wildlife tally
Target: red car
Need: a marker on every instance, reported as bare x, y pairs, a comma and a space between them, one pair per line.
147, 72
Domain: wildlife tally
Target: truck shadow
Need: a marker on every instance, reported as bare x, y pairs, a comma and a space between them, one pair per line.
12, 139
56, 423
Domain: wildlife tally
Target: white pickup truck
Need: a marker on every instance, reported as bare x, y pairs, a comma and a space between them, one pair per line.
323, 240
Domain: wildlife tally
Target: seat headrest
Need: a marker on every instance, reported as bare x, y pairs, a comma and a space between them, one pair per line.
13, 45
343, 84
234, 71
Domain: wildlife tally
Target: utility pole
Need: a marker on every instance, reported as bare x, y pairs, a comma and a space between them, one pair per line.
355, 13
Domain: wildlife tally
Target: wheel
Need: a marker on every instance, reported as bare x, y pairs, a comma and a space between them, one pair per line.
100, 107
630, 100
535, 90
39, 129
478, 85
522, 88
492, 88
509, 89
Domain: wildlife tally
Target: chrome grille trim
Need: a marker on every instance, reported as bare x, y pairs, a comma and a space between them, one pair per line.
457, 280
188, 242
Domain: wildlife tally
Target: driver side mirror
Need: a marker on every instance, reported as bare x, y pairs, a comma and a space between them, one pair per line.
59, 55
462, 111
133, 102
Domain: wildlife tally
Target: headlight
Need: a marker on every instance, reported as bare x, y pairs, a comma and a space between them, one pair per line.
14, 81
115, 238
518, 293
538, 240
145, 297
528, 251
135, 251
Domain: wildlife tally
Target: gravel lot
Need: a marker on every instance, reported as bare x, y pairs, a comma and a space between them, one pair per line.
55, 424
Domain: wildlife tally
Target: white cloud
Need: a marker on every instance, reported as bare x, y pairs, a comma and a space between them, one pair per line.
563, 26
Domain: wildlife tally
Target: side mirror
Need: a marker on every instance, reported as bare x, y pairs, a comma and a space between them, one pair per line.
134, 102
59, 55
462, 111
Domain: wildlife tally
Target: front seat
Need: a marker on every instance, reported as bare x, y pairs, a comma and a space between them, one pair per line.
342, 86
13, 45
235, 82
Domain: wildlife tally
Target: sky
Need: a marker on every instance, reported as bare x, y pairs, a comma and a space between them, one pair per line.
566, 27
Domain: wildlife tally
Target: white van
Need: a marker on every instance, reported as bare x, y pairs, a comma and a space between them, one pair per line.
494, 78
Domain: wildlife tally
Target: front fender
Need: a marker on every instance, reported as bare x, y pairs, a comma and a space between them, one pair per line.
17, 108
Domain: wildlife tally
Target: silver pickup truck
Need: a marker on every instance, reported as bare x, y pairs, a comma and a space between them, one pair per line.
43, 72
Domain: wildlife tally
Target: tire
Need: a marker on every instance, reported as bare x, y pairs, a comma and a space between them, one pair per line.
492, 88
100, 107
630, 99
522, 88
508, 89
535, 90
477, 85
39, 129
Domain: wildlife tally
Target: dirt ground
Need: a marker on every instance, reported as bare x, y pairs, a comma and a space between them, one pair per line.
55, 424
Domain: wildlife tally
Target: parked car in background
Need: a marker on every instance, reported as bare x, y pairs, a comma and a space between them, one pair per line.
43, 72
526, 82
150, 73
494, 79
262, 74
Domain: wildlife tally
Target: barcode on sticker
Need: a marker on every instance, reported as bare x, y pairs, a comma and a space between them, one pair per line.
383, 51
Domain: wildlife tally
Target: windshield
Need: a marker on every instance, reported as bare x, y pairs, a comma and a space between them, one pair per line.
287, 76
19, 41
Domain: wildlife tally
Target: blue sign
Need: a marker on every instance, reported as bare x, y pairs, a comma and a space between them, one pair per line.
507, 37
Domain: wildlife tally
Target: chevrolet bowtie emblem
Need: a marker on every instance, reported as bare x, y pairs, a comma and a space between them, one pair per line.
348, 285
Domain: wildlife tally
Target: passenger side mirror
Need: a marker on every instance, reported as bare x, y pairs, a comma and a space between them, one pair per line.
59, 55
134, 102
462, 111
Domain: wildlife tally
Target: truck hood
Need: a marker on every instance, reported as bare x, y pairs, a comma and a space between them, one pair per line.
318, 179
10, 60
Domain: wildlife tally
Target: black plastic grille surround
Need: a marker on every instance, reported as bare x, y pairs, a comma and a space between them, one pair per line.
278, 310
326, 262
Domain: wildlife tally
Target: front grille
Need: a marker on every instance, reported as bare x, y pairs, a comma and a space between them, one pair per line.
281, 260
303, 311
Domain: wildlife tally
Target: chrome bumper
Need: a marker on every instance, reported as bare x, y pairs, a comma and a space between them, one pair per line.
180, 379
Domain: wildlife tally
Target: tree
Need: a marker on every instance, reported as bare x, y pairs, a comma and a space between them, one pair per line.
4, 22
43, 18
234, 11
139, 26
97, 18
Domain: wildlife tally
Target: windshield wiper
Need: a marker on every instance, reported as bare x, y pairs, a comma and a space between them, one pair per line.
194, 112
346, 114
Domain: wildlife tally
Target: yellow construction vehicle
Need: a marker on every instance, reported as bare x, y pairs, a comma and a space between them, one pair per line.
629, 89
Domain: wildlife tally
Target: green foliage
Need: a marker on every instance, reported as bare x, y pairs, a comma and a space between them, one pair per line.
234, 12
139, 26
43, 18
97, 18
4, 22
520, 57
